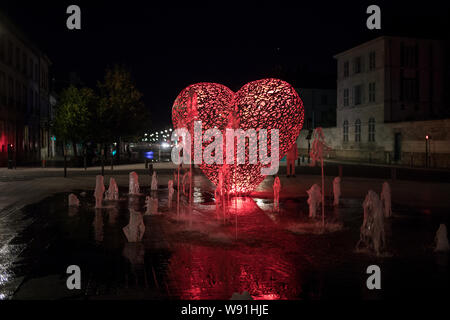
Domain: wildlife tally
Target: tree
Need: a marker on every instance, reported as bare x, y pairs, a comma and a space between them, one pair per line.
121, 111
73, 118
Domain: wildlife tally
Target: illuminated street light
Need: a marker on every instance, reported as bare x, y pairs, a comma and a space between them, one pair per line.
165, 145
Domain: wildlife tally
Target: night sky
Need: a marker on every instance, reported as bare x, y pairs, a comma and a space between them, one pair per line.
168, 46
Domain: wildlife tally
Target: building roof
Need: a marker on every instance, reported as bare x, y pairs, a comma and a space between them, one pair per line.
377, 39
364, 44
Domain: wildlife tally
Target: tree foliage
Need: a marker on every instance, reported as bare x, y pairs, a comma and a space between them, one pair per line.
121, 112
116, 111
73, 118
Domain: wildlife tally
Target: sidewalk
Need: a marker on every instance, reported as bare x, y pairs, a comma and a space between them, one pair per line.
29, 185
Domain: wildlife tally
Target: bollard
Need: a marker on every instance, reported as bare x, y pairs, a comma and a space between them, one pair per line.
150, 169
146, 163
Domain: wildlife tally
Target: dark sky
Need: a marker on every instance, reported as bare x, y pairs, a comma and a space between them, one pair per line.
168, 45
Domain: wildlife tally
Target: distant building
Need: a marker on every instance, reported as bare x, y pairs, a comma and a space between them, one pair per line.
24, 97
320, 107
392, 106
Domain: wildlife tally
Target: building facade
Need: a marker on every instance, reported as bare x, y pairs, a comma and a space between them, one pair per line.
24, 98
392, 106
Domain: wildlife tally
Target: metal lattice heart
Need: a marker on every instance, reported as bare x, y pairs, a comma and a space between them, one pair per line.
262, 104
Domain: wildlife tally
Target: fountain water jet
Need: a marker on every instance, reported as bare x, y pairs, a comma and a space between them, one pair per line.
171, 191
441, 239
218, 193
316, 154
386, 199
99, 191
113, 190
134, 183
73, 200
186, 175
135, 229
151, 205
336, 191
372, 230
221, 194
178, 190
154, 186
276, 193
314, 200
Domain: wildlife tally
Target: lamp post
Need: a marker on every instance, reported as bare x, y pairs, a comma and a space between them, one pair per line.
10, 148
427, 137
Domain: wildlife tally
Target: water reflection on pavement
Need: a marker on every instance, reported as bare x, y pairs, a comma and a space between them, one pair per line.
200, 254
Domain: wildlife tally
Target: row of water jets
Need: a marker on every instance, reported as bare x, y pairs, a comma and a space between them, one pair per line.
372, 233
376, 209
135, 229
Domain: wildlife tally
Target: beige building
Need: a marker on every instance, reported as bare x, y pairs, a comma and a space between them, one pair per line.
390, 96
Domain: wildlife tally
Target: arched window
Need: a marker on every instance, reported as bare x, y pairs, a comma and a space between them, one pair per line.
371, 130
357, 130
345, 131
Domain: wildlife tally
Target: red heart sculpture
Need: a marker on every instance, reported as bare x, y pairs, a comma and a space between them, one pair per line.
262, 104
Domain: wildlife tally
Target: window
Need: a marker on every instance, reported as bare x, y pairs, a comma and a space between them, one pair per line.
18, 57
10, 92
345, 131
372, 92
408, 56
24, 63
18, 94
30, 100
26, 137
357, 65
345, 97
357, 130
2, 88
409, 89
35, 98
358, 95
346, 69
24, 97
30, 75
10, 52
2, 48
371, 130
372, 60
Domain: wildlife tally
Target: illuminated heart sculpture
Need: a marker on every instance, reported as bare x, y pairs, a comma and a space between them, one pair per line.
262, 104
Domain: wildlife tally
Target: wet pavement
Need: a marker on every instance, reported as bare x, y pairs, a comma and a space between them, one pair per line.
200, 254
